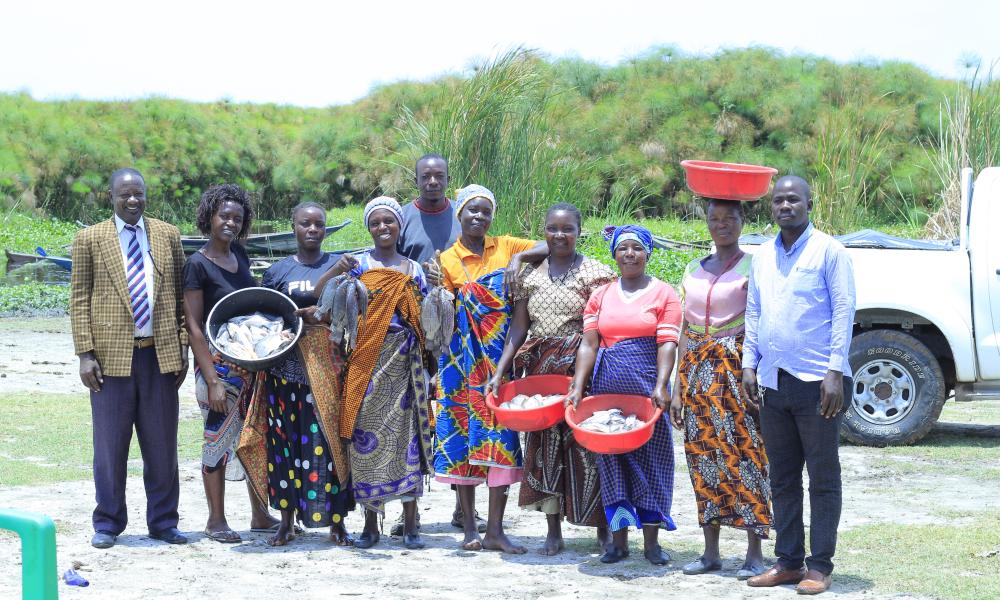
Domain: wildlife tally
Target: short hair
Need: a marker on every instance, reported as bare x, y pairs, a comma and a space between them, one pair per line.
739, 206
307, 204
570, 208
429, 156
217, 195
119, 173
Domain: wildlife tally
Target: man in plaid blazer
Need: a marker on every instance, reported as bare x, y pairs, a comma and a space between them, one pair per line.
128, 330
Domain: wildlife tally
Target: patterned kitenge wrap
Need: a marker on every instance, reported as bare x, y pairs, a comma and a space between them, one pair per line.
291, 435
722, 440
469, 439
636, 487
222, 430
390, 292
391, 446
555, 465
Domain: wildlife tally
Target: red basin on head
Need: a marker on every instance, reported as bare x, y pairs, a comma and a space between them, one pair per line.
728, 181
613, 443
532, 419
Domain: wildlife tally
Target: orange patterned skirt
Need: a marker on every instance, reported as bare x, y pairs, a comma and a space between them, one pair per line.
722, 439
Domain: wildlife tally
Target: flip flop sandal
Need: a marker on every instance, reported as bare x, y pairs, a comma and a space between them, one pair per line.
456, 521
224, 536
746, 573
274, 528
365, 541
659, 558
412, 542
614, 555
700, 567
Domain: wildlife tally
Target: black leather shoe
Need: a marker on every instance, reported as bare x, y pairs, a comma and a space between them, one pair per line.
103, 540
170, 535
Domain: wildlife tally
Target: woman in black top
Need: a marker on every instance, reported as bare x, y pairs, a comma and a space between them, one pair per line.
303, 468
223, 390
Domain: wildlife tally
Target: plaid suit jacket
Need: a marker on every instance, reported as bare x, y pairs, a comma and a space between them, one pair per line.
100, 310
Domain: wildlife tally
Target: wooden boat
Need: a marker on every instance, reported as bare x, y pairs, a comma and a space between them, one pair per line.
16, 260
267, 244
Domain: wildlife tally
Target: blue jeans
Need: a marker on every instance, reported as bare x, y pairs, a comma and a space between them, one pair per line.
795, 434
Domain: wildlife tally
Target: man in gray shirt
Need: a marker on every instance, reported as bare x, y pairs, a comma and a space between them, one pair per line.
429, 222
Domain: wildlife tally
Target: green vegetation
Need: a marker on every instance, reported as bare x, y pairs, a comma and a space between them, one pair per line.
36, 450
33, 298
536, 130
948, 560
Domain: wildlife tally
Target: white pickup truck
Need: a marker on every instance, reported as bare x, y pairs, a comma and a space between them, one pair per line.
927, 323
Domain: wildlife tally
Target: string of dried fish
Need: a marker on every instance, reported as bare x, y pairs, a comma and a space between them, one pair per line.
612, 420
326, 298
437, 317
351, 315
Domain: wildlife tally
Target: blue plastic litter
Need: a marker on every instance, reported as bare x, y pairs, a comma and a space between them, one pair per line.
71, 577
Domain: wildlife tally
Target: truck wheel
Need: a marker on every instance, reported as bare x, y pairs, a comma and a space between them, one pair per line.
898, 390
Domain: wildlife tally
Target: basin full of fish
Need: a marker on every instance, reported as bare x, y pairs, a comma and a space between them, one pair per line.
253, 337
612, 420
345, 299
526, 402
437, 317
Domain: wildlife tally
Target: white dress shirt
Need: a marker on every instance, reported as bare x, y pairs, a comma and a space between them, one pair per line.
124, 238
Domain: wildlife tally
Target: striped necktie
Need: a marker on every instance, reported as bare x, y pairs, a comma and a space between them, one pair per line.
135, 277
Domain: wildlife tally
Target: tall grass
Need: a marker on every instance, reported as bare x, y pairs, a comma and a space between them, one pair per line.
850, 154
497, 130
969, 136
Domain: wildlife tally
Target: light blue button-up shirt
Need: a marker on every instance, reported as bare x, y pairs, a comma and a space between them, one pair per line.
800, 309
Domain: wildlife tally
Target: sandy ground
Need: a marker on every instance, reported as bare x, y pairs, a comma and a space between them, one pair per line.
142, 568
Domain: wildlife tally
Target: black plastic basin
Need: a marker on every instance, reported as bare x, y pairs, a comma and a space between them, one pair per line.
246, 302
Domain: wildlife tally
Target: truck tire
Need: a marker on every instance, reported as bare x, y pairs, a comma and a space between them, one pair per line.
898, 390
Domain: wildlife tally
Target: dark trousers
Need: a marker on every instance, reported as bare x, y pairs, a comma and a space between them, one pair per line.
795, 434
146, 400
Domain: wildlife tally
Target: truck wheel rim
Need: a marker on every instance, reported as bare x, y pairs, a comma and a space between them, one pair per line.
884, 392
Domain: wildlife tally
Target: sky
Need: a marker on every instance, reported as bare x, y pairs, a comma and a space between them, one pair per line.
334, 52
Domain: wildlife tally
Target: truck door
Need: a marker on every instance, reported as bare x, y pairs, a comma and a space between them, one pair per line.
984, 255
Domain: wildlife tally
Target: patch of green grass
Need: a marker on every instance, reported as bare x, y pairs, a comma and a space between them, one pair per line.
32, 298
942, 453
980, 412
951, 561
47, 438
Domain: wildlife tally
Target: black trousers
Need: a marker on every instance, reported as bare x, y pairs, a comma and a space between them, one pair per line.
795, 434
147, 400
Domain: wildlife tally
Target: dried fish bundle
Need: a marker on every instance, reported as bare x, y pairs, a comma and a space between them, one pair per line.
437, 317
345, 299
526, 402
253, 337
612, 420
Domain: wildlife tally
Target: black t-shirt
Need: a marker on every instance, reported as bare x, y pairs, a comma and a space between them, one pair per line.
200, 273
296, 280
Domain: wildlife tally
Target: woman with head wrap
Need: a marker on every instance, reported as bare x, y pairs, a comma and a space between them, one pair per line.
384, 410
630, 331
560, 477
290, 436
472, 447
722, 440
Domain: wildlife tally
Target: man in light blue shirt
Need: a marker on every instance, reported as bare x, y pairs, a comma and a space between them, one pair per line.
799, 321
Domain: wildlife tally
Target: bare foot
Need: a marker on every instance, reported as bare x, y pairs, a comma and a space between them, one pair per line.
472, 541
282, 536
502, 543
340, 536
553, 545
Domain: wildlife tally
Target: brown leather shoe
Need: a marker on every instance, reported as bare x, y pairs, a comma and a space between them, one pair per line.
777, 575
814, 583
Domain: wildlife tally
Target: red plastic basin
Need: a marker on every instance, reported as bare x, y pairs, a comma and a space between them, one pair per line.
532, 419
727, 181
613, 443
